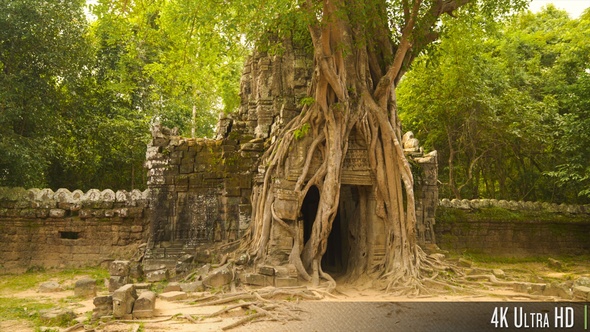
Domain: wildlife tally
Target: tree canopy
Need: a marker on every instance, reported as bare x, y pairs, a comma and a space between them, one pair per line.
502, 100
503, 103
77, 95
42, 57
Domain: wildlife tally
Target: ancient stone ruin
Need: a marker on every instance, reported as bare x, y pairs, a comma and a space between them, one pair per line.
198, 205
201, 189
43, 228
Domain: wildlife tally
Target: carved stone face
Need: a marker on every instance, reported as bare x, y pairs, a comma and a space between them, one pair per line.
407, 136
410, 143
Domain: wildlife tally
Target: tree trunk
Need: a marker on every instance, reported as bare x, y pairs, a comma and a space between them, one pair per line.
356, 68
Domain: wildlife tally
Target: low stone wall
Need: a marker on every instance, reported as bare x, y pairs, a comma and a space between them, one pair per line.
466, 204
509, 228
39, 227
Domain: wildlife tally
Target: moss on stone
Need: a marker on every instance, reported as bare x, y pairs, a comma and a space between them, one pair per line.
451, 215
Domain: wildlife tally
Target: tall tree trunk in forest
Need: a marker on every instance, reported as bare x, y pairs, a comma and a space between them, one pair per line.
357, 66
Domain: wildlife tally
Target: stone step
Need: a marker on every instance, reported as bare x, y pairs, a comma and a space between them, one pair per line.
163, 253
155, 264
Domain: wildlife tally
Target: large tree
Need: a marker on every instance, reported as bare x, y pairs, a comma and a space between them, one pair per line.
361, 50
42, 56
503, 104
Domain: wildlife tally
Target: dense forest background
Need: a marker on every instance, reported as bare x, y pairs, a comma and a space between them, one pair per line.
506, 103
80, 84
507, 106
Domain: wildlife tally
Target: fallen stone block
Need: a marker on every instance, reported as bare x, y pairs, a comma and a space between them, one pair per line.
582, 293
184, 263
103, 306
203, 270
123, 300
499, 273
85, 287
529, 287
153, 266
145, 305
256, 279
218, 278
582, 281
49, 287
116, 282
136, 271
157, 275
120, 268
281, 271
143, 285
266, 270
173, 296
560, 290
172, 287
56, 316
195, 286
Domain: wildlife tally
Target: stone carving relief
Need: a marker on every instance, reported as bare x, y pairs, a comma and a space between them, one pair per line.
411, 145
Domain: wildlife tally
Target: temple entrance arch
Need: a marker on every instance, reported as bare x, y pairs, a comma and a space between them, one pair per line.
342, 240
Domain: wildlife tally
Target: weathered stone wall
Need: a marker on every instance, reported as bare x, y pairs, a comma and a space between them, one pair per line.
201, 188
510, 228
63, 228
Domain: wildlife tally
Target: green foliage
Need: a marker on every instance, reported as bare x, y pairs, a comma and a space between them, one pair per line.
306, 101
301, 132
77, 97
12, 308
571, 86
15, 308
492, 100
505, 101
28, 280
42, 56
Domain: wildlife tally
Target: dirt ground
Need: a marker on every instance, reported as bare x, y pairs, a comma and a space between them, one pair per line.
171, 315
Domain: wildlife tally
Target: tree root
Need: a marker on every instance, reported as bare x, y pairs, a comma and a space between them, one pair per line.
272, 310
127, 321
262, 304
243, 321
74, 328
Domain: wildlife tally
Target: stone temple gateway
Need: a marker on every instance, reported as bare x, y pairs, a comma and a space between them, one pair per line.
201, 188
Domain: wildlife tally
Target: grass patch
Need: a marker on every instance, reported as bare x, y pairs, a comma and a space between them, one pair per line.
18, 308
158, 287
533, 268
478, 257
10, 283
27, 309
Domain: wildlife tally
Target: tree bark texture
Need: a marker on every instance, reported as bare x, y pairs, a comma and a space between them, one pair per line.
357, 66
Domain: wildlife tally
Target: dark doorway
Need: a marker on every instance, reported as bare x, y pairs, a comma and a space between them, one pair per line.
335, 259
309, 209
338, 250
